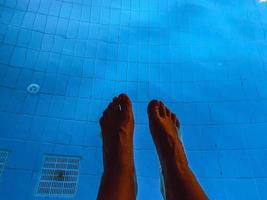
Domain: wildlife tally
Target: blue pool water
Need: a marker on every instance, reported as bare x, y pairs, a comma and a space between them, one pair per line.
205, 59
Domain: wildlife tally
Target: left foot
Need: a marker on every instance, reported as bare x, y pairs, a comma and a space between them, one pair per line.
117, 125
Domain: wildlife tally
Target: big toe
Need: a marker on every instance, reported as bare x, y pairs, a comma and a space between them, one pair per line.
153, 109
124, 101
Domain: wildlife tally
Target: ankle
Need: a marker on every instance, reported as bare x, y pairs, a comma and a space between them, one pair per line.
119, 170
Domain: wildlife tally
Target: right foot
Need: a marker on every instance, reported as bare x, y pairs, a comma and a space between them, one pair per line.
164, 127
179, 181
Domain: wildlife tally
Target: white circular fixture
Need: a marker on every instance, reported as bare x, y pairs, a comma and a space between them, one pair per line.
33, 88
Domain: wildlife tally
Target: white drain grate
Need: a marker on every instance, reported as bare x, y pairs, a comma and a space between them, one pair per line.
3, 160
59, 176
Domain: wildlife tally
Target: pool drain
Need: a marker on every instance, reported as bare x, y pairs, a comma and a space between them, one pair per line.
33, 88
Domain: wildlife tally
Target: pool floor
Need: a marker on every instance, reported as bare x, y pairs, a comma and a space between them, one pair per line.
206, 59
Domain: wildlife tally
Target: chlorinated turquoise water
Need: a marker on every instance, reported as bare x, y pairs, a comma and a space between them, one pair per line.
205, 59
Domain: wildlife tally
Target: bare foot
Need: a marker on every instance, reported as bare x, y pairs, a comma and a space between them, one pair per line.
164, 127
117, 125
179, 180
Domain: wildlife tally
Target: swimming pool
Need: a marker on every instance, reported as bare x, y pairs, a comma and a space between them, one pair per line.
205, 59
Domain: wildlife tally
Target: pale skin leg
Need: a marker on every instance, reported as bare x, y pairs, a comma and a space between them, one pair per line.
117, 125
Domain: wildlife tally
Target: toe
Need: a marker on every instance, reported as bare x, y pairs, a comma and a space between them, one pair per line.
168, 112
116, 104
162, 109
105, 113
110, 106
101, 121
173, 117
125, 98
115, 100
153, 108
124, 101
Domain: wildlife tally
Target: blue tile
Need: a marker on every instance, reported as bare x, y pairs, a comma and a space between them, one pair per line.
20, 177
24, 37
6, 53
18, 57
236, 164
44, 6
86, 13
76, 12
78, 133
92, 136
205, 164
69, 47
211, 188
147, 163
65, 132
37, 128
47, 42
95, 15
73, 87
55, 8
143, 138
70, 106
73, 29
148, 188
43, 105
88, 67
252, 133
62, 26
192, 137
51, 131
7, 124
3, 72
84, 29
258, 162
22, 5
39, 22
83, 191
91, 48
11, 36
57, 107
42, 61
85, 89
11, 77
76, 67
7, 15
28, 21
66, 10
31, 59
58, 44
80, 49
241, 189
53, 63
22, 128
36, 40
34, 5
30, 104
51, 24
15, 102
262, 188
203, 59
61, 84
24, 79
82, 110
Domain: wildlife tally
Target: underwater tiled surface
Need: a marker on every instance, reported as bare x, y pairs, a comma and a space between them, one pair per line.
205, 59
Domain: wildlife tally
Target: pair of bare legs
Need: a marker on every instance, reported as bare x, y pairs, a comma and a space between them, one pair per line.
118, 180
